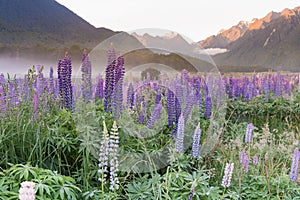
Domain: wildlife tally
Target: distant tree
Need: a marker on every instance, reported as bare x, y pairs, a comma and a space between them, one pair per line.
153, 73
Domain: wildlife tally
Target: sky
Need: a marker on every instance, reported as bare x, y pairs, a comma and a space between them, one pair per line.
195, 19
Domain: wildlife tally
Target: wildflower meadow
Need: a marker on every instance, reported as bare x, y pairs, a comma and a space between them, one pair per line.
188, 135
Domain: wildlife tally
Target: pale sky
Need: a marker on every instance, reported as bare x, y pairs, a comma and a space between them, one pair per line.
195, 19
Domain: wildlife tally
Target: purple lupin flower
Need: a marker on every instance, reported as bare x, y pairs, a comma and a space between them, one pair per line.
141, 117
197, 88
188, 106
65, 86
177, 109
230, 85
69, 84
60, 78
154, 116
157, 97
278, 84
255, 160
51, 82
26, 89
196, 142
244, 160
208, 107
245, 84
109, 80
226, 181
40, 81
130, 96
35, 102
117, 94
99, 93
2, 101
248, 135
12, 93
179, 142
266, 88
171, 107
295, 166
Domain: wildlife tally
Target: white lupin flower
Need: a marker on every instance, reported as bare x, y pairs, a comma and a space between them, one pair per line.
179, 143
196, 142
227, 175
114, 162
103, 155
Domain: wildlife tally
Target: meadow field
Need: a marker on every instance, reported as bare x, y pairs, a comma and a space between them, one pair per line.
181, 136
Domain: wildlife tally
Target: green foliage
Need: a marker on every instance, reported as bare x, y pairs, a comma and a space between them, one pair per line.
279, 113
48, 184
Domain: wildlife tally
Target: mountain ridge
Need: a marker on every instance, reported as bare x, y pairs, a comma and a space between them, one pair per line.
275, 43
45, 22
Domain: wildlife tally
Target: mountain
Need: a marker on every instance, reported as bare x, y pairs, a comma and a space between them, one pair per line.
40, 31
171, 42
45, 22
224, 37
271, 41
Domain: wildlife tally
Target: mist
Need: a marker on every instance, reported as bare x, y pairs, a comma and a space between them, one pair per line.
20, 66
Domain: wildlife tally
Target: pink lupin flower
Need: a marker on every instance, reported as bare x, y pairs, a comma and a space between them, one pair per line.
27, 191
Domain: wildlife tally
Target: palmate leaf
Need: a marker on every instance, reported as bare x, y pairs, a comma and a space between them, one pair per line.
8, 195
42, 188
139, 190
22, 172
67, 192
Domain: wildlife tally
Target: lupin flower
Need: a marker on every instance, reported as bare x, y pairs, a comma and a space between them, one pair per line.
27, 191
192, 193
115, 72
171, 108
64, 71
154, 116
255, 160
179, 143
35, 103
208, 106
188, 106
103, 157
295, 166
157, 97
226, 181
244, 160
40, 81
141, 118
196, 142
109, 80
278, 84
99, 93
114, 162
2, 101
248, 135
117, 95
51, 82
130, 96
